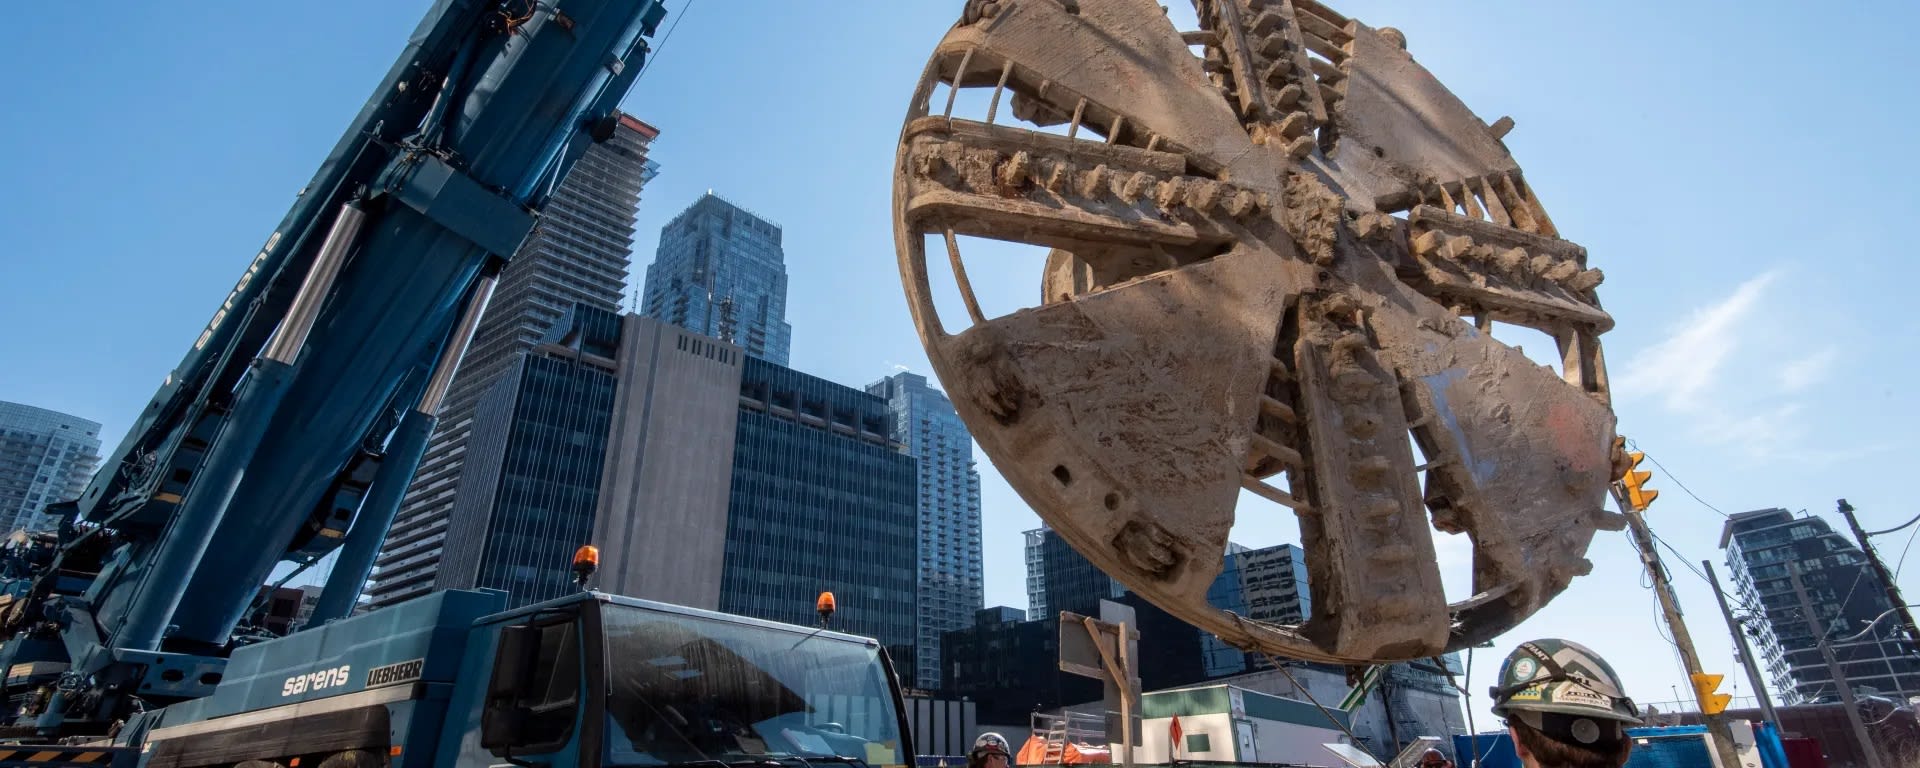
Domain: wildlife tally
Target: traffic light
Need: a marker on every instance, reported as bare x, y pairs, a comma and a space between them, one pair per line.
1704, 685
1638, 495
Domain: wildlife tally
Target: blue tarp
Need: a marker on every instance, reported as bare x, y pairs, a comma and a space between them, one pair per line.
1495, 750
1675, 747
1679, 750
1773, 752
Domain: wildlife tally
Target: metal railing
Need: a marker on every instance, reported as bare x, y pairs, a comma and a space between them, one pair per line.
1692, 706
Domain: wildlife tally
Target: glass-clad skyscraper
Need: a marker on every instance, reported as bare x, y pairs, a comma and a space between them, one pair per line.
578, 253
1268, 584
823, 500
614, 431
949, 560
45, 457
1846, 596
1071, 581
532, 477
1036, 560
720, 271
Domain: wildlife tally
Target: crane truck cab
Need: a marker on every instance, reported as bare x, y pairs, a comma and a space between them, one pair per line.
588, 679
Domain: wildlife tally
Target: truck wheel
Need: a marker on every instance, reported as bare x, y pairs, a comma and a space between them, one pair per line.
357, 758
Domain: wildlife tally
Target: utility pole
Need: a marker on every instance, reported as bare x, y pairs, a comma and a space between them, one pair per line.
1746, 651
1633, 497
1833, 668
1880, 569
1670, 608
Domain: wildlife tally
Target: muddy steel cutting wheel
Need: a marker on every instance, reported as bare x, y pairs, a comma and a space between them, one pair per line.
1275, 267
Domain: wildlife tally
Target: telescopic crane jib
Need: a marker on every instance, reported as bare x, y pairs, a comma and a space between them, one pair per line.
297, 417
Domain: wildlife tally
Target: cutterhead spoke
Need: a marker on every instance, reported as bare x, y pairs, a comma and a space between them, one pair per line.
1271, 267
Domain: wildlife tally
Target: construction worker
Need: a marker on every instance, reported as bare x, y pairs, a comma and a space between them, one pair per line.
1564, 706
990, 751
1432, 758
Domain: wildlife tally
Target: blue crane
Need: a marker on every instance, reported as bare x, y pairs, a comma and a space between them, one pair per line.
292, 429
295, 422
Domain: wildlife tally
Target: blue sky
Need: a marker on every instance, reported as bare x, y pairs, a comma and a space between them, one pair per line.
1743, 173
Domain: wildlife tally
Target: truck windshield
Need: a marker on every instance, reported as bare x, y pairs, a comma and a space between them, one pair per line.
683, 689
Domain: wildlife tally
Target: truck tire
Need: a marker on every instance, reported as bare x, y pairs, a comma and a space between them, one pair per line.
354, 758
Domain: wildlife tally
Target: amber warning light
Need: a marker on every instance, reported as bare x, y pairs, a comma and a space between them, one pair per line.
586, 560
825, 606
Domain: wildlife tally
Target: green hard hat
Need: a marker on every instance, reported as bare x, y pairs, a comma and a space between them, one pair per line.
1562, 677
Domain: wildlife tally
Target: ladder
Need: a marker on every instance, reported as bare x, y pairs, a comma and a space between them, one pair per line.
1057, 731
1052, 731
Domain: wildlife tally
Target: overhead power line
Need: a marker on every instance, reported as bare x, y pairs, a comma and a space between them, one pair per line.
1741, 599
1676, 480
1916, 519
1903, 554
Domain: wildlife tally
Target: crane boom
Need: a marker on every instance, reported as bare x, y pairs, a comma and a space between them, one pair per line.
292, 426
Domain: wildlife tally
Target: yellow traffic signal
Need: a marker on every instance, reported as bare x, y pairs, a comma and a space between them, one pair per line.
1704, 685
1638, 495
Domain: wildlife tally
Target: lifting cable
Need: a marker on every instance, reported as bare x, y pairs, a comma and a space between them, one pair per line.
655, 55
1271, 659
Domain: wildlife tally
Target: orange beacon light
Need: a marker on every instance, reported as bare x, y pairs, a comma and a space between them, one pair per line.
586, 560
825, 606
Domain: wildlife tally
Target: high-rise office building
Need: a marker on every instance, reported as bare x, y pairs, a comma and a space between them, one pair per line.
1012, 668
46, 457
1272, 581
531, 475
823, 500
613, 431
1176, 657
661, 523
1069, 581
950, 561
578, 253
1268, 584
1846, 596
720, 272
1036, 561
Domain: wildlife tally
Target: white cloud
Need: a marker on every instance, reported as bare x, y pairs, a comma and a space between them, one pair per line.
1682, 368
1807, 371
1721, 374
1759, 432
